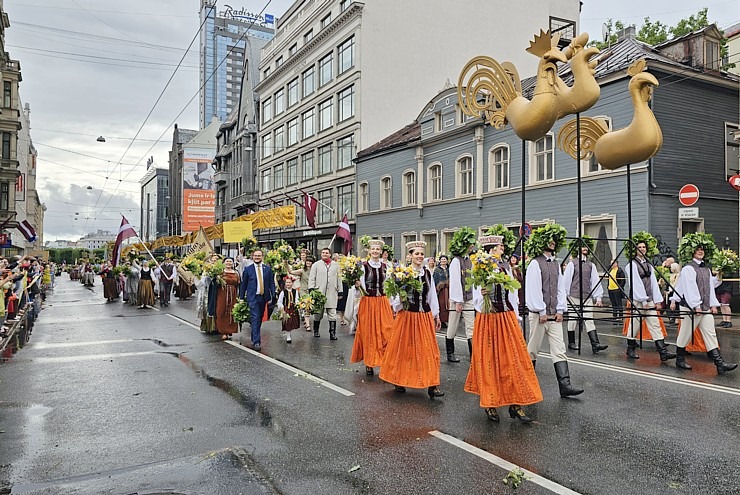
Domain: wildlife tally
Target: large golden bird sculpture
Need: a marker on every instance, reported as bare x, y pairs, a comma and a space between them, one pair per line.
636, 143
585, 91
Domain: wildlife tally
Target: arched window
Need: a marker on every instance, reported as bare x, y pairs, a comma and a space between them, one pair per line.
409, 188
435, 182
464, 179
498, 167
364, 205
386, 193
543, 160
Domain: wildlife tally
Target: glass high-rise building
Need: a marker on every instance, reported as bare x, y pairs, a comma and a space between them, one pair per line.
224, 29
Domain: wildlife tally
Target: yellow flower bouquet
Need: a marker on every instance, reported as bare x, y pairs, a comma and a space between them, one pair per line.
486, 273
401, 281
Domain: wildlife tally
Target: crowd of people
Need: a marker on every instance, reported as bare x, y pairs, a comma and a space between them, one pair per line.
24, 282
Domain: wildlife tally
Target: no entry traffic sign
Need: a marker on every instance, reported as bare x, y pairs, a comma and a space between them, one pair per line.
735, 181
688, 195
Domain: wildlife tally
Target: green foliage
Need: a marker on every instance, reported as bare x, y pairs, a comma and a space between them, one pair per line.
694, 22
240, 311
98, 253
461, 241
726, 262
318, 301
574, 245
691, 242
509, 238
389, 249
652, 33
514, 478
542, 236
630, 245
249, 244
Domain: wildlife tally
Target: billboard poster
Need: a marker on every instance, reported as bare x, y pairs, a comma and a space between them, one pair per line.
198, 194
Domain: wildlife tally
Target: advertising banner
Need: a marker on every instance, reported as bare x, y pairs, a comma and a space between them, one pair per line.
198, 194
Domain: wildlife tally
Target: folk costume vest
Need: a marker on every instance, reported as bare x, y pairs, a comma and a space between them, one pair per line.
703, 276
374, 278
418, 300
644, 270
465, 266
549, 271
575, 287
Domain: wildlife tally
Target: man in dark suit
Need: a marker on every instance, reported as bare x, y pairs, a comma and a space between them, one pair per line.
258, 284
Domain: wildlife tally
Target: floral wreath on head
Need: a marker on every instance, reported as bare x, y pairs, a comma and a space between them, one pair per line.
508, 235
541, 238
691, 242
289, 277
462, 240
630, 245
574, 246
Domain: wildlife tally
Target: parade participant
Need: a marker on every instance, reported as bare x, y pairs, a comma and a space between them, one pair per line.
110, 287
304, 272
325, 278
587, 291
354, 297
517, 274
88, 277
286, 303
461, 300
206, 299
226, 295
374, 316
131, 287
645, 293
695, 294
546, 301
616, 290
258, 288
146, 285
441, 282
411, 357
166, 281
185, 282
500, 373
387, 256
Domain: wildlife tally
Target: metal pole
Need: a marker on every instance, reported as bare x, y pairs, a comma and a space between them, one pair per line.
521, 235
629, 236
579, 243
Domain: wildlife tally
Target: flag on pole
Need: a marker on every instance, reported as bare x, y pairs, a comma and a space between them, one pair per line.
124, 232
343, 232
310, 205
27, 230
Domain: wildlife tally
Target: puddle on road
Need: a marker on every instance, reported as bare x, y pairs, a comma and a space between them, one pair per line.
259, 412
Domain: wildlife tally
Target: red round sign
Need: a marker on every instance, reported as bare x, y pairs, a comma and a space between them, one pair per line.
688, 195
735, 181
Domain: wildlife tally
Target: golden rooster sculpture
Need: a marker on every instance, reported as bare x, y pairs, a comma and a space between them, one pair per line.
636, 143
494, 89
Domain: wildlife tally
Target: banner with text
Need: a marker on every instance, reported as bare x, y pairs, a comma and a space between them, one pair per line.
198, 194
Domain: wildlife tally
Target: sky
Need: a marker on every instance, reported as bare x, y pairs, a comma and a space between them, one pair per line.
97, 68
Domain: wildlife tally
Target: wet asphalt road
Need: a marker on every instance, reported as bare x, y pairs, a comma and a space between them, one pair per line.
108, 398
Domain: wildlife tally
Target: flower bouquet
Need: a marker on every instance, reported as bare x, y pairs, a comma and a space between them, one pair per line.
216, 271
280, 315
152, 263
240, 311
193, 265
351, 268
274, 260
486, 273
249, 244
285, 251
401, 281
126, 270
318, 300
305, 304
725, 261
117, 270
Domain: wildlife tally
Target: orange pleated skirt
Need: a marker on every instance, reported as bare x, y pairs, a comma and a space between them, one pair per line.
501, 371
411, 357
374, 327
644, 333
696, 344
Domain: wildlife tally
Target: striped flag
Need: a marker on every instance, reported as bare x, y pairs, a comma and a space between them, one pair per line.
124, 232
310, 204
27, 230
343, 232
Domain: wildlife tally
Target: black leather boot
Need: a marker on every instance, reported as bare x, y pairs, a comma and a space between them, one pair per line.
631, 346
434, 392
534, 364
566, 389
681, 359
470, 347
332, 330
663, 350
316, 328
719, 362
572, 341
595, 345
450, 345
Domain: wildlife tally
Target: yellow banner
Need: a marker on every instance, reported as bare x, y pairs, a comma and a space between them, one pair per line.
236, 231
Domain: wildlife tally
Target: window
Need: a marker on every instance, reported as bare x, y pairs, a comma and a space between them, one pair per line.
279, 139
325, 114
603, 231
308, 81
308, 118
388, 240
266, 145
293, 48
326, 20
267, 180
346, 200
464, 182
4, 195
344, 152
544, 159
386, 193
292, 131
279, 101
432, 246
346, 55
409, 189
346, 103
325, 69
591, 166
292, 171
266, 73
266, 110
498, 168
344, 4
325, 202
307, 165
712, 60
435, 182
406, 237
308, 36
690, 227
732, 150
438, 125
293, 92
279, 176
7, 94
447, 240
325, 159
278, 61
364, 204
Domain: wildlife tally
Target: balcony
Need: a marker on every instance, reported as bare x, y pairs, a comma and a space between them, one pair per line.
220, 176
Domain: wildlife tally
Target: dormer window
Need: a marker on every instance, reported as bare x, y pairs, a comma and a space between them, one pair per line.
712, 59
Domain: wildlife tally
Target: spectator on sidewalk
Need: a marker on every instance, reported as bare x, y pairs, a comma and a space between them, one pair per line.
616, 289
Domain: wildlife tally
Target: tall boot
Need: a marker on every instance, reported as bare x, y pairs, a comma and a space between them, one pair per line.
316, 328
332, 330
470, 347
595, 345
450, 344
663, 350
572, 341
566, 389
631, 346
681, 359
719, 362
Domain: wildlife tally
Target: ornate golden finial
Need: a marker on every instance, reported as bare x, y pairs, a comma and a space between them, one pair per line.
543, 43
637, 67
591, 131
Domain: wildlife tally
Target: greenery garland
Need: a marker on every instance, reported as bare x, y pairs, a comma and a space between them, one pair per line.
508, 235
691, 242
541, 238
461, 241
389, 249
574, 246
630, 245
240, 312
726, 262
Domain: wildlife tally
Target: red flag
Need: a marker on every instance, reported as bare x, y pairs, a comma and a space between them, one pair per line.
27, 230
343, 232
124, 232
310, 205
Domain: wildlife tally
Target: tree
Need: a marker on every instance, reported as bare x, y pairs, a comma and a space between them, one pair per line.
653, 33
693, 23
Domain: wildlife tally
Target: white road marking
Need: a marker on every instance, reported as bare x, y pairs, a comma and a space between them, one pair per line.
503, 463
55, 345
152, 307
298, 372
89, 357
184, 321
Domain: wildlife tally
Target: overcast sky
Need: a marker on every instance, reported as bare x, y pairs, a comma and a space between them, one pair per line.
96, 67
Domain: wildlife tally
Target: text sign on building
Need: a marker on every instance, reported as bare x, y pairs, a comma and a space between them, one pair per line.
198, 195
688, 195
243, 14
735, 181
687, 213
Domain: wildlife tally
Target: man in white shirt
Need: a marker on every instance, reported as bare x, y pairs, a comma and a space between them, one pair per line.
461, 300
695, 293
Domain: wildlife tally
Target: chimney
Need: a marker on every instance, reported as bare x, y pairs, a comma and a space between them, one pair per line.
626, 33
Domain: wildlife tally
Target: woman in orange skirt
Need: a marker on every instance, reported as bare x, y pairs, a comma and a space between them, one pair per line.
501, 372
374, 317
411, 357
